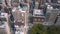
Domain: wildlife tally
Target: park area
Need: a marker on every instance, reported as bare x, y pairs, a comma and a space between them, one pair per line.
41, 29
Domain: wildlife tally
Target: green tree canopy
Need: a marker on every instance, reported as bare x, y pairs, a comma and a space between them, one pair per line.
41, 29
38, 29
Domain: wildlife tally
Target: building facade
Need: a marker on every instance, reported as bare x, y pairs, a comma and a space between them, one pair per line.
4, 24
38, 16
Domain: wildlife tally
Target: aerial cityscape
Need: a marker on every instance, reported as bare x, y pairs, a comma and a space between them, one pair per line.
29, 16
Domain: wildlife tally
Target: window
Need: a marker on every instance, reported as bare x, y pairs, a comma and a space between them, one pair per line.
39, 19
1, 23
42, 19
35, 19
3, 19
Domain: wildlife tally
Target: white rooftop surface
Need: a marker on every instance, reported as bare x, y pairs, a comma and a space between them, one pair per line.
37, 11
19, 7
23, 11
21, 30
3, 14
18, 32
49, 7
3, 26
16, 26
14, 9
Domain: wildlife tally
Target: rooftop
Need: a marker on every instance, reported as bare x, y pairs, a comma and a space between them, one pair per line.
3, 15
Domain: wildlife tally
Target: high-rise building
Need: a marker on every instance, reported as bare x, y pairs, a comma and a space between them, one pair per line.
20, 20
38, 16
4, 24
57, 21
51, 16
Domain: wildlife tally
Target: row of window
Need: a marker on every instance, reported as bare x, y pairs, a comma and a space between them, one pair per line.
3, 19
38, 20
18, 1
13, 1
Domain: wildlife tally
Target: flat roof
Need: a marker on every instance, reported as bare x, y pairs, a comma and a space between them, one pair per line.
3, 15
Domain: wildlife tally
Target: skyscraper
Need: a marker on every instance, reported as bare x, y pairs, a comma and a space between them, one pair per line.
52, 16
38, 16
4, 24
